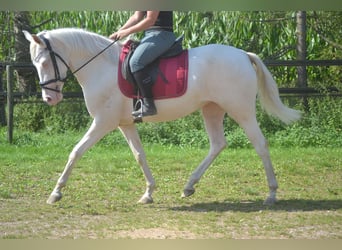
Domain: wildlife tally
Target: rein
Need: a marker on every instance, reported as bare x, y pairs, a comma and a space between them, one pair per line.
53, 56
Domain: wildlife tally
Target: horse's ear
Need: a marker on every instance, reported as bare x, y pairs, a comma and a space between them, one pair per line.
28, 36
32, 38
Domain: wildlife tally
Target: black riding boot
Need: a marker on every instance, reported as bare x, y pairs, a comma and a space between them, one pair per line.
145, 84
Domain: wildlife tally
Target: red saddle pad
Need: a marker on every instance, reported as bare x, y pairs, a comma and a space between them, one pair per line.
173, 69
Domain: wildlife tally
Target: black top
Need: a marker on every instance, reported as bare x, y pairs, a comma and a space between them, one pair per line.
164, 21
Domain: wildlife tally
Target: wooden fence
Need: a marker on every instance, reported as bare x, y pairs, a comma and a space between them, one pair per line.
10, 98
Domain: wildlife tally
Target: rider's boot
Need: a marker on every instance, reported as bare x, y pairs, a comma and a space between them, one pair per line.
145, 84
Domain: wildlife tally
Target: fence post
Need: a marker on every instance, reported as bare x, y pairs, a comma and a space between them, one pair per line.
301, 54
2, 104
10, 103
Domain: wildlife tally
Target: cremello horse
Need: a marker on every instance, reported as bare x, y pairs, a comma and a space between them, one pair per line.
221, 79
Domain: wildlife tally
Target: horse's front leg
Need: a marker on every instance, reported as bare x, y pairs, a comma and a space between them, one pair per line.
133, 140
93, 135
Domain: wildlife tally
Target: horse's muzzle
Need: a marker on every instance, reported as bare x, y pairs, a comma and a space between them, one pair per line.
52, 98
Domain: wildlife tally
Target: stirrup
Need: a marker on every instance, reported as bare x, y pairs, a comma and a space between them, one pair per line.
147, 108
142, 113
138, 115
137, 119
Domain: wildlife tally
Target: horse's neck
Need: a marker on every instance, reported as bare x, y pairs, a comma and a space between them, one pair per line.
96, 71
89, 62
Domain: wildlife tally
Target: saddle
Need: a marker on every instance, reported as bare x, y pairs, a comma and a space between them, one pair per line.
168, 71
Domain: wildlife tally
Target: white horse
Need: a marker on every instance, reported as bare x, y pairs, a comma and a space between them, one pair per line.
221, 79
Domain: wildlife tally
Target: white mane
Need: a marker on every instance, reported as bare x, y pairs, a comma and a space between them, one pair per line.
81, 40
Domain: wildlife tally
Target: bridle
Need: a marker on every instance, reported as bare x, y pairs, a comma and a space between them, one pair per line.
55, 55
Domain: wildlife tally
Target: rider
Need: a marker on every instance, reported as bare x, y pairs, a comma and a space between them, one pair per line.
158, 37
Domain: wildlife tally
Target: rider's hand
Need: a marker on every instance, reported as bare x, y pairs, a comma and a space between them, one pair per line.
119, 34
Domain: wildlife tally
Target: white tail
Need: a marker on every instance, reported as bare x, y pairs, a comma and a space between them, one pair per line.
269, 94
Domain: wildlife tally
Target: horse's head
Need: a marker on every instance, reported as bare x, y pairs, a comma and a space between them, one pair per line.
51, 67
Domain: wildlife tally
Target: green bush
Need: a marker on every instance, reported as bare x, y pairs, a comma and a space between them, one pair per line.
36, 116
321, 125
68, 116
30, 116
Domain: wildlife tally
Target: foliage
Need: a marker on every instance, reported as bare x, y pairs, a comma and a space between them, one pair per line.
321, 126
270, 34
30, 116
36, 115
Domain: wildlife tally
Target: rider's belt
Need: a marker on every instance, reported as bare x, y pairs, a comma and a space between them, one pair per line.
160, 28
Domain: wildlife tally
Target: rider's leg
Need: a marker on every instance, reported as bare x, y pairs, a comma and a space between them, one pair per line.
145, 84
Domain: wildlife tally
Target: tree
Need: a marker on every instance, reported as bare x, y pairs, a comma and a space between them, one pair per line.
26, 77
301, 53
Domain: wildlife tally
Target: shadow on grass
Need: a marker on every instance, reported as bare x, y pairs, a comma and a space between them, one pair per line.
293, 205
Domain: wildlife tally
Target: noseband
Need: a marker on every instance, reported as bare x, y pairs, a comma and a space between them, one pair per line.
53, 56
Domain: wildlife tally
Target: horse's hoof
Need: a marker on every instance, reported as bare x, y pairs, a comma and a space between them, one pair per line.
145, 200
187, 192
270, 201
54, 197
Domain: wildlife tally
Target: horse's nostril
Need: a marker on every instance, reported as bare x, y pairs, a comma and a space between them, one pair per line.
48, 99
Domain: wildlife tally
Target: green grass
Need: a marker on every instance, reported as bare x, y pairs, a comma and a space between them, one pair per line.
100, 198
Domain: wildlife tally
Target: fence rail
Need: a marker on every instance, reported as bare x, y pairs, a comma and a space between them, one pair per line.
296, 63
10, 98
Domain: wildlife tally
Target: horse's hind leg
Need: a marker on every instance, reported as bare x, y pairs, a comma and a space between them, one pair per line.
213, 118
260, 144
